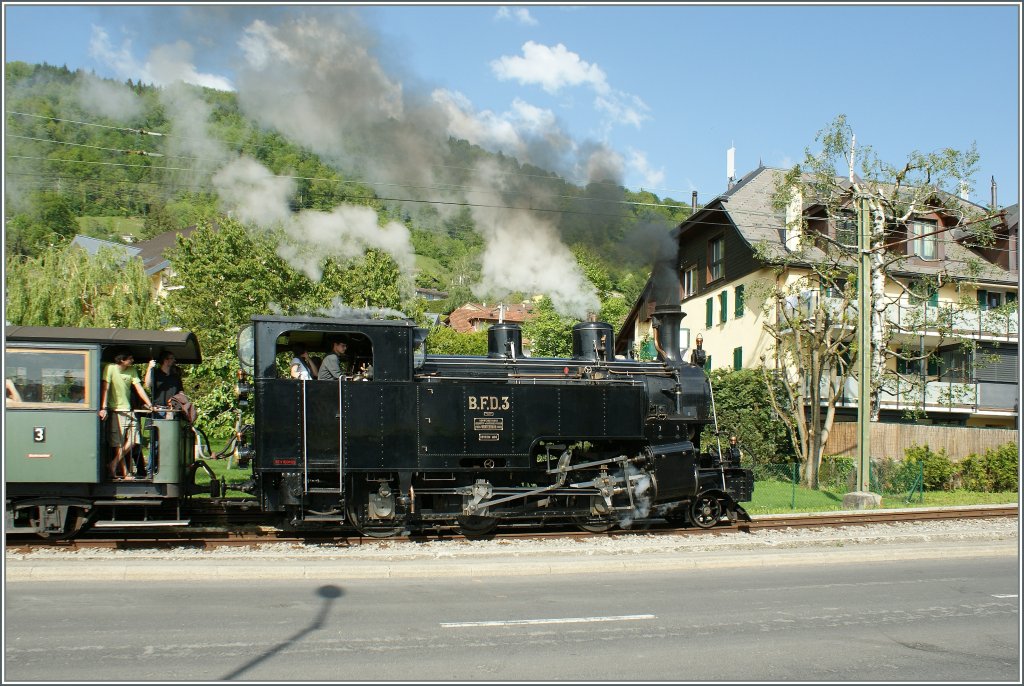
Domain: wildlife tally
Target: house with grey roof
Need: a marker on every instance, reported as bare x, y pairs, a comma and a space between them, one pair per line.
153, 253
738, 242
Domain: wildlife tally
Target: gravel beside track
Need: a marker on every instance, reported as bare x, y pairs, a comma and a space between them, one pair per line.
634, 551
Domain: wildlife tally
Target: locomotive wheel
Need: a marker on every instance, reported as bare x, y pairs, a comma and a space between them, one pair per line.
372, 528
705, 511
475, 526
595, 525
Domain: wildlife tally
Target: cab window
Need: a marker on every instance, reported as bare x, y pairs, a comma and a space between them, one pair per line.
48, 378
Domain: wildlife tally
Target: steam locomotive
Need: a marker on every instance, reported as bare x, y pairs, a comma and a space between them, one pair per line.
412, 442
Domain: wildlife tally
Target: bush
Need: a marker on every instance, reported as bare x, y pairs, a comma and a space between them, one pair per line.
995, 471
837, 473
938, 469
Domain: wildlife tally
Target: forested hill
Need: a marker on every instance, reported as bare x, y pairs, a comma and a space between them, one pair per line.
110, 159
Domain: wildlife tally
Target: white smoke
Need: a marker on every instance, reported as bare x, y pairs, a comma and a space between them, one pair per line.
253, 194
108, 99
319, 83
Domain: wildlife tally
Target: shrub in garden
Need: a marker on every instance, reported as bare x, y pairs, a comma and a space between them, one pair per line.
996, 470
938, 469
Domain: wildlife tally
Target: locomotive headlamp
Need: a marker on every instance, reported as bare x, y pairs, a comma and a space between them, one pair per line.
242, 390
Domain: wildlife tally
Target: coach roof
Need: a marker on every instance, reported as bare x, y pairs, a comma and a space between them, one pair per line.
144, 344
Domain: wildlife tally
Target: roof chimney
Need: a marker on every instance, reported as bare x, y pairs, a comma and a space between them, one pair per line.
693, 202
995, 204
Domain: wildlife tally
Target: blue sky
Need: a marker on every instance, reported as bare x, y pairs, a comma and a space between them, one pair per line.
667, 88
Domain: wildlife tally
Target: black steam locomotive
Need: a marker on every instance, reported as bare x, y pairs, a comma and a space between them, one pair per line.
408, 441
477, 441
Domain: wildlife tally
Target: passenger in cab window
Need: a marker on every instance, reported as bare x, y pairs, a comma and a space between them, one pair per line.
303, 367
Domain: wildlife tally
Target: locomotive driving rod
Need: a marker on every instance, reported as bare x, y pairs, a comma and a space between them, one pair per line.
562, 470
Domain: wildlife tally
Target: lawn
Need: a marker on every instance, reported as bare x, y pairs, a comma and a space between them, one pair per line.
775, 497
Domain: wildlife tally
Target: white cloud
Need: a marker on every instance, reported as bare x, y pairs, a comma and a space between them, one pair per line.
166, 64
550, 68
520, 14
623, 108
638, 162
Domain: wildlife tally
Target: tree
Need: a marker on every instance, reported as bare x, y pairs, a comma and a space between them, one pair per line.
811, 319
228, 274
549, 333
744, 409
65, 286
823, 247
444, 340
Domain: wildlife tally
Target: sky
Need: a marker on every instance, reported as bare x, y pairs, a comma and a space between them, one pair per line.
670, 88
650, 96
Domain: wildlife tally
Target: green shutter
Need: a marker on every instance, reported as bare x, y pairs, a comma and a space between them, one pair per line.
739, 301
982, 299
737, 358
711, 312
933, 299
707, 363
901, 365
933, 366
724, 295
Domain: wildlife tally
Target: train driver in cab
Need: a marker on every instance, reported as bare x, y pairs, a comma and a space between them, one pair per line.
336, 364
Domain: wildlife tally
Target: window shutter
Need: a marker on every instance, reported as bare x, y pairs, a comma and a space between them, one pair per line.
707, 364
933, 299
982, 299
724, 295
739, 301
933, 366
901, 365
710, 312
737, 358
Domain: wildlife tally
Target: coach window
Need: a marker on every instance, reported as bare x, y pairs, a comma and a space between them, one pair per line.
49, 378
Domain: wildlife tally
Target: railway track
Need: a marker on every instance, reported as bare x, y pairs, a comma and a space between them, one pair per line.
140, 538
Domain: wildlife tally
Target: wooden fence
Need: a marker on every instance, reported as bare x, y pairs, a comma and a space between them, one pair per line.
891, 440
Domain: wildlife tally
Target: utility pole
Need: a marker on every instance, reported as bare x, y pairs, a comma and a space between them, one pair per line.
864, 344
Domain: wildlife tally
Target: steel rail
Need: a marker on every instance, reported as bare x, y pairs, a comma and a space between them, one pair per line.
215, 537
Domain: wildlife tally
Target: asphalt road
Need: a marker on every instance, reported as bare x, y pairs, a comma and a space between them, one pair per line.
926, 620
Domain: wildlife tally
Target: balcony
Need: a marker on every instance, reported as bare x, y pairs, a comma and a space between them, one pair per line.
939, 396
947, 321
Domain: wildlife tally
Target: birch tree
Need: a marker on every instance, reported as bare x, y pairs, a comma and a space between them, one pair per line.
926, 184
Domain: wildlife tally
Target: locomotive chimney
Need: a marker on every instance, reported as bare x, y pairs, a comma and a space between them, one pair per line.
668, 311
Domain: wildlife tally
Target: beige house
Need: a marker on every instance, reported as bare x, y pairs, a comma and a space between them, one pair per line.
734, 246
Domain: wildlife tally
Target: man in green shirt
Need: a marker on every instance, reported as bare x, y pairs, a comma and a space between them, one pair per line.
115, 400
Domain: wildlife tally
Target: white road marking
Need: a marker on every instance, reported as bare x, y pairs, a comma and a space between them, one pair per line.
1012, 595
563, 620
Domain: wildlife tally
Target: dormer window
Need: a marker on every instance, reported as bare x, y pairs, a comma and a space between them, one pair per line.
846, 229
924, 241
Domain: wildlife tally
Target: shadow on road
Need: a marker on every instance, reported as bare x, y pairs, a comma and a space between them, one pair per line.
328, 593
